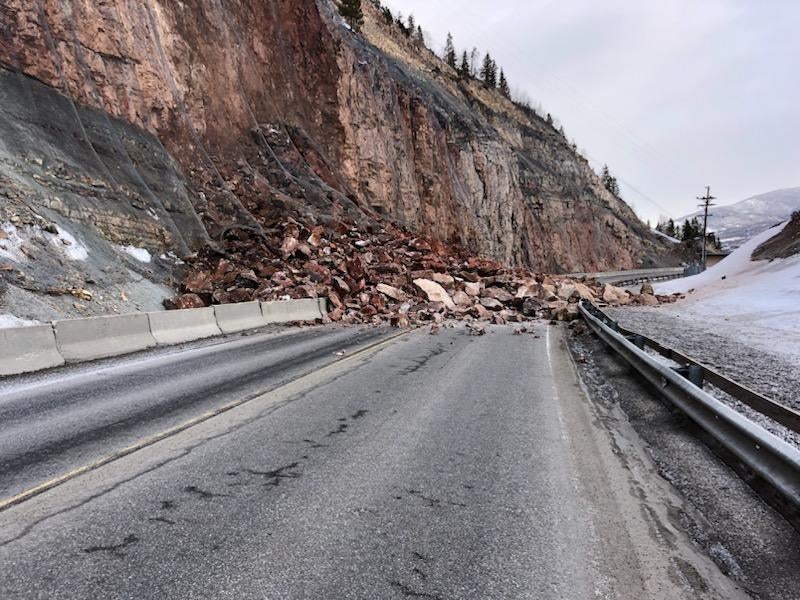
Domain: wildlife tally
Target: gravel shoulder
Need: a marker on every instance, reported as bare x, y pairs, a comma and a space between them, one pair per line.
747, 539
771, 373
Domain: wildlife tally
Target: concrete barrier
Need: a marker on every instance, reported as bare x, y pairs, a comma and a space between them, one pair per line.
238, 317
286, 311
179, 326
25, 349
99, 337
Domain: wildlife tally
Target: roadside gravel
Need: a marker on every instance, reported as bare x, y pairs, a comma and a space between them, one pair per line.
770, 373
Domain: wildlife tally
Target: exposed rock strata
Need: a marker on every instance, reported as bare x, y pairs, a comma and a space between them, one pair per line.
181, 122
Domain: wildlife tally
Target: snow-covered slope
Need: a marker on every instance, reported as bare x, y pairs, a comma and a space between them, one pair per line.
737, 223
757, 302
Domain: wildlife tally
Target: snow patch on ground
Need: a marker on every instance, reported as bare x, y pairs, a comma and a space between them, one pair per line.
7, 321
64, 242
140, 254
11, 242
68, 244
755, 302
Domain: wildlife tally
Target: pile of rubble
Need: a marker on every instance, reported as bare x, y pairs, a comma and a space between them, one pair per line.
383, 275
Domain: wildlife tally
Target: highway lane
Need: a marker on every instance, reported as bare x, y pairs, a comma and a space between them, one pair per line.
60, 422
448, 466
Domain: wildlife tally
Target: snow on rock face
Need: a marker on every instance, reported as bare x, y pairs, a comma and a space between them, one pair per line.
140, 254
756, 302
665, 236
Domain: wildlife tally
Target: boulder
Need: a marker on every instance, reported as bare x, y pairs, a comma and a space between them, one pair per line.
648, 300
615, 295
444, 279
462, 299
472, 288
533, 290
567, 313
531, 306
188, 301
565, 290
549, 292
480, 312
499, 294
647, 288
341, 285
198, 282
491, 303
399, 320
584, 292
435, 292
391, 292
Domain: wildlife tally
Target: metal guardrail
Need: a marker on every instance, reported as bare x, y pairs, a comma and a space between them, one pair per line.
634, 275
771, 458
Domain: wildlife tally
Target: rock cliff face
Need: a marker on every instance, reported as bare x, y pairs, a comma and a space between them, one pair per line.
166, 125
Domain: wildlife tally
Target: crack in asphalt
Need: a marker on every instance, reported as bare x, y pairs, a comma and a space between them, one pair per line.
114, 549
410, 592
284, 472
435, 502
204, 494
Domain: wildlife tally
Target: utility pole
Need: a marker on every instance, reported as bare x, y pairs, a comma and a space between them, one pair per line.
705, 206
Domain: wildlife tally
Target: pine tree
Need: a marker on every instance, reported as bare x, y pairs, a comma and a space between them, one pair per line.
387, 15
691, 230
549, 119
412, 25
450, 51
463, 68
419, 37
489, 71
609, 181
352, 13
503, 85
473, 62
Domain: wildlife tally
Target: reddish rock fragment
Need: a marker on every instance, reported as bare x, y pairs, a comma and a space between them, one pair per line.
185, 301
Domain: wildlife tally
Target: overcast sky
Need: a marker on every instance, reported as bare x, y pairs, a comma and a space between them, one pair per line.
673, 94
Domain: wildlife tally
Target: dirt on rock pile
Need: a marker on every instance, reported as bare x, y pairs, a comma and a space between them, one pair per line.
382, 274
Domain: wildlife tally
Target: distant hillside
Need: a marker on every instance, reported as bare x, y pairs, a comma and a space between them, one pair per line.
737, 223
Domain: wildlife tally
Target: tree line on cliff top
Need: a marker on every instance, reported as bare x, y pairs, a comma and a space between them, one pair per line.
468, 66
492, 75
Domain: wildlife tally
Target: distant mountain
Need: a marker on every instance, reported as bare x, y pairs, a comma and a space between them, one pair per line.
736, 223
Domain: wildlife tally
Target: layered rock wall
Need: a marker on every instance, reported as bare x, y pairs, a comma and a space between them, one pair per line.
243, 107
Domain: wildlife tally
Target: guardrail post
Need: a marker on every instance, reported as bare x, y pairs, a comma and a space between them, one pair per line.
637, 340
696, 375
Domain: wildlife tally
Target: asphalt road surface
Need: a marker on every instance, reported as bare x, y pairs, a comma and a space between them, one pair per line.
360, 466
